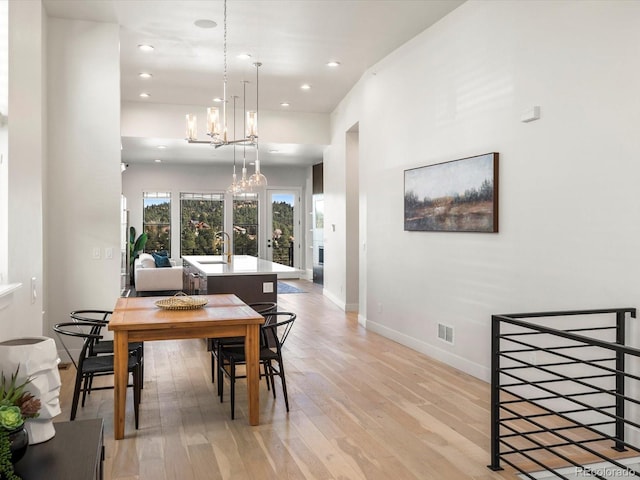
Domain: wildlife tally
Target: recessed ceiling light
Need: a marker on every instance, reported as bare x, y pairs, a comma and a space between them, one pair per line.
285, 104
162, 147
145, 75
244, 56
274, 151
146, 48
157, 160
145, 95
306, 86
333, 64
205, 23
217, 100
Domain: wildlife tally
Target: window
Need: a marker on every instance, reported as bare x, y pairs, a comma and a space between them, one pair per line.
157, 220
245, 225
201, 216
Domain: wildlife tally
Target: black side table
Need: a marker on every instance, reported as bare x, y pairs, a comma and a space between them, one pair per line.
76, 452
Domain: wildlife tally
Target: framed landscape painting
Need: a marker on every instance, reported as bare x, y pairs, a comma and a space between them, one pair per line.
456, 196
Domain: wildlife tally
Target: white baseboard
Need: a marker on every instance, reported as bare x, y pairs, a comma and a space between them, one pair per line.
456, 361
347, 307
351, 307
340, 303
362, 320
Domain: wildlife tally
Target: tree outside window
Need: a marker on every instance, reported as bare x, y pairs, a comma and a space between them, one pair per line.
201, 216
245, 225
157, 220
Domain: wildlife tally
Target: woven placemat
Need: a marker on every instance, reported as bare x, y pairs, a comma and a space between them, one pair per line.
181, 301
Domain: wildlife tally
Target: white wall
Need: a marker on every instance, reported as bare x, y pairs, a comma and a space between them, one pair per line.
568, 204
4, 138
178, 179
25, 168
352, 227
83, 181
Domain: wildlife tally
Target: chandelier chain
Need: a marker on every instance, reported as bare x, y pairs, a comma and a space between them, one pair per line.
225, 43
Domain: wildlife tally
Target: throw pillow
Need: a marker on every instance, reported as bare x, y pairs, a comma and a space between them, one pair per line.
161, 260
147, 260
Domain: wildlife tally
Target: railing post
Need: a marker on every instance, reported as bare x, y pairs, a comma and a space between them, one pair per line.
291, 253
495, 394
620, 377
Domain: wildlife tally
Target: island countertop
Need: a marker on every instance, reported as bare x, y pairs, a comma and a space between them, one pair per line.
216, 266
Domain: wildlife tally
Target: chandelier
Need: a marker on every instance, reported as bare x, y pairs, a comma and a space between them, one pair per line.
217, 129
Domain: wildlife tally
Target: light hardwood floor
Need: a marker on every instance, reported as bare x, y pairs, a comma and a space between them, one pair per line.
362, 407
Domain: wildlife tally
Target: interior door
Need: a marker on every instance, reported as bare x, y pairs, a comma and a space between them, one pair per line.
283, 227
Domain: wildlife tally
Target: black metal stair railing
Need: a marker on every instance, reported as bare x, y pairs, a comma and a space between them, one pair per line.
559, 395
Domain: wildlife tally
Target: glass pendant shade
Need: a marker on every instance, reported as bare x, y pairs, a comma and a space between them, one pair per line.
235, 187
213, 121
252, 124
258, 180
244, 181
192, 127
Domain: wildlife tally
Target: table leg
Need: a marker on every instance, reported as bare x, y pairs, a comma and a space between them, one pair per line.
252, 354
120, 379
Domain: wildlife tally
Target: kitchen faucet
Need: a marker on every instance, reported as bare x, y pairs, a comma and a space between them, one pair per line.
226, 244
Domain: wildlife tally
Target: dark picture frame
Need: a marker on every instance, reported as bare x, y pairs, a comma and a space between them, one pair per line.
456, 196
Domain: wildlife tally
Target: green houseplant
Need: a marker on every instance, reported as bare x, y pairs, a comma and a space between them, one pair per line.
136, 247
16, 405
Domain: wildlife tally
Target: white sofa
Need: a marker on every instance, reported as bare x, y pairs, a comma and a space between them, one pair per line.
149, 278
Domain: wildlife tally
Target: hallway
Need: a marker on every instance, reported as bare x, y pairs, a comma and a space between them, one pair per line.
362, 407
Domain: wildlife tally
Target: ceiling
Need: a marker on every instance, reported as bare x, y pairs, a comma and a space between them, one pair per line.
292, 39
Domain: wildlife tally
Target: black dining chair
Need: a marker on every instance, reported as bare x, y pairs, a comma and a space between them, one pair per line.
89, 366
105, 347
263, 308
273, 334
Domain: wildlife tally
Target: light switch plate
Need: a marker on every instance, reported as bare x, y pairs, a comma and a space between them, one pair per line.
267, 287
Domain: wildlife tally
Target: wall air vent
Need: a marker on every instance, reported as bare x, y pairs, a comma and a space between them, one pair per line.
445, 333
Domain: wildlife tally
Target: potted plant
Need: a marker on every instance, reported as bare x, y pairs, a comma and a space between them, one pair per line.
136, 247
16, 405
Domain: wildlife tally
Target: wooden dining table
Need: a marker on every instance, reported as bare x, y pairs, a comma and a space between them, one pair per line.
138, 319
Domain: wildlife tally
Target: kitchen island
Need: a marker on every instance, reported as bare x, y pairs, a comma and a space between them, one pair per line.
250, 278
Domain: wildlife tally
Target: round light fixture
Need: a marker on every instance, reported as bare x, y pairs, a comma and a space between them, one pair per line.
145, 95
157, 160
244, 56
162, 147
333, 64
285, 104
145, 75
217, 100
305, 86
146, 48
205, 23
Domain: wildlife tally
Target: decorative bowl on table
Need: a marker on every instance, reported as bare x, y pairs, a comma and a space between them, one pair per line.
182, 301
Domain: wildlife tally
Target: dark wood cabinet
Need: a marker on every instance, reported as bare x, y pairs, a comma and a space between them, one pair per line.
249, 288
76, 452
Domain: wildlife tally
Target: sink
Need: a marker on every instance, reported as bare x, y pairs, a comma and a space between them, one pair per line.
212, 262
